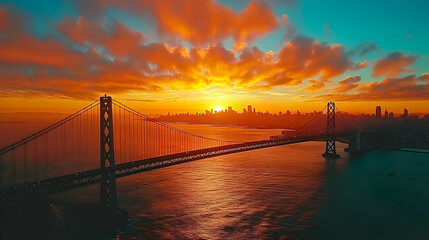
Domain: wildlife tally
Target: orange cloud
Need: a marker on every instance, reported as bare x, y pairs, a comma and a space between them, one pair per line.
25, 49
303, 58
348, 84
315, 85
406, 88
51, 66
18, 47
393, 65
118, 39
206, 21
198, 22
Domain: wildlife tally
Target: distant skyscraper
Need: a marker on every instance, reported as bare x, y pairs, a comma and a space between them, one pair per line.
229, 109
386, 113
254, 110
244, 110
391, 115
378, 112
249, 108
211, 111
405, 112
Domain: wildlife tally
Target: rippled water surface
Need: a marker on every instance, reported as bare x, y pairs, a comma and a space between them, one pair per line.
288, 192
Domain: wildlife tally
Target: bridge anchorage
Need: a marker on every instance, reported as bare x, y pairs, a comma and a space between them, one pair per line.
330, 151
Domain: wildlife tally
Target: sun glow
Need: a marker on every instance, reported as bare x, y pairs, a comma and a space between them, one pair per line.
218, 108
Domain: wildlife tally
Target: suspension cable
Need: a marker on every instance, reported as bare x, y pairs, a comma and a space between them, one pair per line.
304, 125
48, 129
348, 125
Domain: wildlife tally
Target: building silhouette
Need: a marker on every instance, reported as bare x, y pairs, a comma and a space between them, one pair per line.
405, 112
378, 112
284, 119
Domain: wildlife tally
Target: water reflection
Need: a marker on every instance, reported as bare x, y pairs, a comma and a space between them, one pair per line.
259, 194
288, 192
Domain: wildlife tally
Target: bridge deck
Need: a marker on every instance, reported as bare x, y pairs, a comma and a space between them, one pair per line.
72, 181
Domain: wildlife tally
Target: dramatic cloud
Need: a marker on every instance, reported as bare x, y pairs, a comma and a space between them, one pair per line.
27, 50
206, 21
348, 84
158, 66
32, 66
393, 65
85, 57
19, 47
118, 39
304, 57
406, 88
315, 85
96, 57
198, 22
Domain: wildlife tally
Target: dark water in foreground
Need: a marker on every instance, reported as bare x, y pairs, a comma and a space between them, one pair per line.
287, 192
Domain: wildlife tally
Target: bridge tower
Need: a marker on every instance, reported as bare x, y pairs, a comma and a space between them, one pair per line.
108, 196
330, 151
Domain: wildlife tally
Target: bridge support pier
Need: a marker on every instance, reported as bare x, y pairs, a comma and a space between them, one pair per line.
108, 195
330, 151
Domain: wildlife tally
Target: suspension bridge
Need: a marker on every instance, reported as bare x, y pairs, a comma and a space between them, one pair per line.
107, 140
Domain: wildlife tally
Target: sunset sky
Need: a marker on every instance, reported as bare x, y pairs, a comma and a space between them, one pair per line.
174, 56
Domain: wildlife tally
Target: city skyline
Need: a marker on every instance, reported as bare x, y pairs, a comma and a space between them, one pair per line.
251, 109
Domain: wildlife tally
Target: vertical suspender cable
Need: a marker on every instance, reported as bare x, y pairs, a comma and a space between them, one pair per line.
129, 134
25, 163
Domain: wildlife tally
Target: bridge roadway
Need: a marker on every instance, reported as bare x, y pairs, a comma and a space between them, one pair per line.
80, 179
